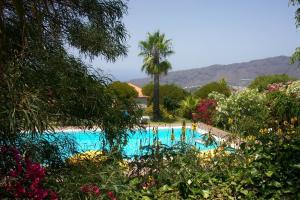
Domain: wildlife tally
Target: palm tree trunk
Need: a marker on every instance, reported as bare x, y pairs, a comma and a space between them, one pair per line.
156, 111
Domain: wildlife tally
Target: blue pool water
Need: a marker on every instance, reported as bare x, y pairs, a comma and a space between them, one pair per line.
93, 140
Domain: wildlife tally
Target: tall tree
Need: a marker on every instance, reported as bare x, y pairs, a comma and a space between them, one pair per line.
41, 84
155, 49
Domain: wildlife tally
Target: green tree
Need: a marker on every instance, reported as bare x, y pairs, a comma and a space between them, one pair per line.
220, 87
170, 95
41, 84
155, 49
123, 90
261, 82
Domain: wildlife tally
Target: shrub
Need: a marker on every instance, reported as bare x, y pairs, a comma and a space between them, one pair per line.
205, 110
294, 89
243, 113
282, 106
220, 87
165, 115
261, 82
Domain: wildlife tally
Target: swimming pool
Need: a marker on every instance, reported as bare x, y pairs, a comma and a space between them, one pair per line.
93, 140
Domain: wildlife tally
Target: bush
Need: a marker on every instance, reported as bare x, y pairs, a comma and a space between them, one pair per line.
261, 82
282, 106
220, 87
294, 89
205, 110
243, 113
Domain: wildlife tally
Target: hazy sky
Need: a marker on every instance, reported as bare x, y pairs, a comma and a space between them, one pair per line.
206, 32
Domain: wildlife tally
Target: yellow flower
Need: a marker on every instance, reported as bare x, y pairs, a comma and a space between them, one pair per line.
279, 131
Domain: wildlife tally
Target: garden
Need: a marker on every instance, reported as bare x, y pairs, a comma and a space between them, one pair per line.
45, 89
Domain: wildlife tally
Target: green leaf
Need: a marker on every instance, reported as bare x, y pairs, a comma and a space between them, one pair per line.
269, 173
205, 193
245, 192
146, 198
297, 166
165, 188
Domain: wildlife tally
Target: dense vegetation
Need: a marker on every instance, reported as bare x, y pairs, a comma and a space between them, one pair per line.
220, 86
261, 82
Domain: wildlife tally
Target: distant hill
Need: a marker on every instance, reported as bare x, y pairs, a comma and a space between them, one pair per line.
237, 74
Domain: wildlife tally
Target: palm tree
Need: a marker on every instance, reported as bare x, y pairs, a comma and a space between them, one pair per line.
155, 49
188, 106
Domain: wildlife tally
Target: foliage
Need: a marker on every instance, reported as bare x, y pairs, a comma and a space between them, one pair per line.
155, 49
294, 89
282, 106
165, 115
266, 166
220, 87
243, 113
122, 90
205, 110
170, 95
261, 82
43, 86
188, 106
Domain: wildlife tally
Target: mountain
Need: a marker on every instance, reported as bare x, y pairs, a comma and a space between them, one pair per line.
237, 74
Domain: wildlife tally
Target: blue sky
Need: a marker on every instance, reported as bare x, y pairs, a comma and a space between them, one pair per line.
206, 32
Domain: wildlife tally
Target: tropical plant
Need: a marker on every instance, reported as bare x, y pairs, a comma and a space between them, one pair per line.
261, 82
188, 106
220, 87
155, 49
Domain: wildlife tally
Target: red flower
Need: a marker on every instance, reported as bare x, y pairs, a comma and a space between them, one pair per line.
53, 195
25, 185
111, 195
205, 110
90, 188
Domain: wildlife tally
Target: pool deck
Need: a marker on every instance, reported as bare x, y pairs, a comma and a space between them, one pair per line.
215, 131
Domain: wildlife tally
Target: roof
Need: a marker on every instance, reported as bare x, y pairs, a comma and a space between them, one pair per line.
138, 90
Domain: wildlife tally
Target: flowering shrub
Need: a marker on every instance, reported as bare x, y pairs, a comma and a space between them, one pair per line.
244, 112
23, 178
206, 109
294, 89
275, 87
